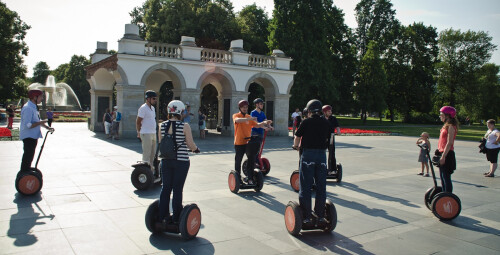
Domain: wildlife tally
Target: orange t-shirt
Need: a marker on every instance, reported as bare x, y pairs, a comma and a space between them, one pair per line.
242, 129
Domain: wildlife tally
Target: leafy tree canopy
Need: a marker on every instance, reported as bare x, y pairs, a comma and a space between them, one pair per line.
40, 72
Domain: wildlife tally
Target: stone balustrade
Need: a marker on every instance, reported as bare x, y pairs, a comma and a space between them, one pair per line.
261, 61
216, 56
163, 50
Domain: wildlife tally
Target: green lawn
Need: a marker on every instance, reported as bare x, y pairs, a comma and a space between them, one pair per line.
470, 133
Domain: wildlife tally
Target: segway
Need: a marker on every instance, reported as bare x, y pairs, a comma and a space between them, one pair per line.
235, 183
188, 226
444, 205
262, 163
30, 182
337, 173
142, 177
294, 218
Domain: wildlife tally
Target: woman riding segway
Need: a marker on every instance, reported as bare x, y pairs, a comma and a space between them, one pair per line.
174, 168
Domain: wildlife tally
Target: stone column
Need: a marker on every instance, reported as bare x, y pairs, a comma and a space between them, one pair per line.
129, 98
192, 96
96, 123
280, 121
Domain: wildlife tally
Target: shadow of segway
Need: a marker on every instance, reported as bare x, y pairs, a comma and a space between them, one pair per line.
175, 244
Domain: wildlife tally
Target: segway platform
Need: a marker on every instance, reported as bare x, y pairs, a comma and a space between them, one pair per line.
188, 226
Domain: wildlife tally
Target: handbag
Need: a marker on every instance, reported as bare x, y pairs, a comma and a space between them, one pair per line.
482, 143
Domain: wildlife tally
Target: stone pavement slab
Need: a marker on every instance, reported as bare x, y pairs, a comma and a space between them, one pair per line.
89, 206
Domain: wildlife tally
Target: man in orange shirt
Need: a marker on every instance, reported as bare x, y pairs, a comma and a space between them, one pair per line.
243, 144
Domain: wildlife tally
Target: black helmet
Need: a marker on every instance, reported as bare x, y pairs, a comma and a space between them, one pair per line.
314, 106
258, 100
150, 94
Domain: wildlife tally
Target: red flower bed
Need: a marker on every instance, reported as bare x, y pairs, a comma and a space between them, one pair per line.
5, 132
357, 131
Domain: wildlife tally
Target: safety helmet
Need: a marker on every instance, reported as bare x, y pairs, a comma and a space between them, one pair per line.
327, 108
34, 92
258, 100
314, 106
304, 112
175, 107
150, 94
242, 103
450, 110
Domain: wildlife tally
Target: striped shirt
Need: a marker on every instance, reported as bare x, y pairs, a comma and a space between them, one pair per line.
180, 139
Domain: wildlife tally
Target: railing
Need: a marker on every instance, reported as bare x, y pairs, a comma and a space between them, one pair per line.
217, 56
261, 61
163, 50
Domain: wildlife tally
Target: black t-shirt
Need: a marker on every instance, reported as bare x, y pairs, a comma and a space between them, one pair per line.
10, 112
314, 132
333, 123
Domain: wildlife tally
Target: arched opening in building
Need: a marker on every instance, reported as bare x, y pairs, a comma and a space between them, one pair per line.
166, 95
210, 105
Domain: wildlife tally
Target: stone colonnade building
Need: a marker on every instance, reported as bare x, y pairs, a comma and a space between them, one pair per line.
214, 79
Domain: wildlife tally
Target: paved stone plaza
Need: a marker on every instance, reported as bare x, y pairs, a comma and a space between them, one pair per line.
89, 206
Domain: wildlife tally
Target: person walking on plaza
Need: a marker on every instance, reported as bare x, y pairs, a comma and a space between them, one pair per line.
29, 129
50, 116
174, 171
448, 133
295, 125
202, 123
117, 117
107, 119
11, 111
492, 137
244, 142
312, 135
334, 129
145, 125
422, 157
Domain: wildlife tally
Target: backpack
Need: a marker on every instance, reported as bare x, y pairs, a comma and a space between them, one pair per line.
168, 146
118, 116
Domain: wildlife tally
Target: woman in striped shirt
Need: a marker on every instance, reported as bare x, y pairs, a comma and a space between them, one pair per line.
174, 171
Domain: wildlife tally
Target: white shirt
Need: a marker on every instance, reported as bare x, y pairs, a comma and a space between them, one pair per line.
294, 115
491, 139
148, 116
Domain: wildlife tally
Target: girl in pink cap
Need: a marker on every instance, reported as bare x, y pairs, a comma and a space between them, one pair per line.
448, 133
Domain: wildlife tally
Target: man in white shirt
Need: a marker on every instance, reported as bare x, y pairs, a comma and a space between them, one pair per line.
146, 127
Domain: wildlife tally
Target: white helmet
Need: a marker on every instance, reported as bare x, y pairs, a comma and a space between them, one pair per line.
175, 107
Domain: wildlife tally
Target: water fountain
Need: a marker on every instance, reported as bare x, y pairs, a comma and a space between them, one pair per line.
59, 96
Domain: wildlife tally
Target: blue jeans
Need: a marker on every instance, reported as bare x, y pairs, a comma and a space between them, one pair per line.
312, 167
445, 180
173, 176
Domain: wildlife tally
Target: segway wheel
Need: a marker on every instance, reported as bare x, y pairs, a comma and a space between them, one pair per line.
152, 217
233, 181
28, 183
259, 180
293, 218
244, 167
446, 206
430, 194
295, 180
190, 221
267, 166
142, 177
331, 216
339, 173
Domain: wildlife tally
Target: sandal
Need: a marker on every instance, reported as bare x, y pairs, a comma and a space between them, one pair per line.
489, 175
426, 175
420, 174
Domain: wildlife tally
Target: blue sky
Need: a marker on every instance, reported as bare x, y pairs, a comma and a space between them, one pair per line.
61, 28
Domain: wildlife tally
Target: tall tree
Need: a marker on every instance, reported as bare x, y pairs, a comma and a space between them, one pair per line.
485, 103
461, 55
253, 23
371, 88
40, 72
13, 48
299, 29
74, 75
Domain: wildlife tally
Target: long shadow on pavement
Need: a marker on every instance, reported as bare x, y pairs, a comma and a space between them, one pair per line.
472, 224
333, 242
356, 188
175, 244
25, 219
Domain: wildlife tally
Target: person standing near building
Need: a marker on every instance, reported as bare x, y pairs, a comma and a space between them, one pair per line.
186, 114
29, 130
117, 117
11, 111
146, 127
334, 130
294, 120
312, 135
107, 119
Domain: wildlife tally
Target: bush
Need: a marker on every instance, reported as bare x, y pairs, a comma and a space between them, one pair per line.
423, 118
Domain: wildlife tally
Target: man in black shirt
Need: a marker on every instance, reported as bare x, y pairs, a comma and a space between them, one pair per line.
313, 135
334, 128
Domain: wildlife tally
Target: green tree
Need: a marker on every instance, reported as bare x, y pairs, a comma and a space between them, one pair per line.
40, 72
410, 67
371, 88
253, 23
299, 29
461, 54
13, 48
485, 103
73, 74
